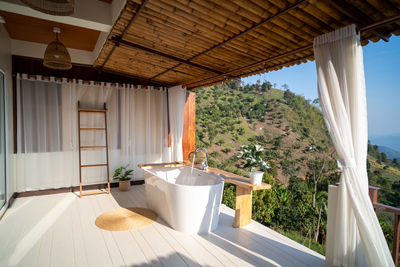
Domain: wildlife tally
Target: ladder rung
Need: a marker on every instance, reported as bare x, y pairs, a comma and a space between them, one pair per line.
92, 110
92, 129
95, 192
94, 165
89, 147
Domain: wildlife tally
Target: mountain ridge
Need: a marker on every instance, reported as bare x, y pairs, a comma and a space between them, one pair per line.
390, 141
391, 153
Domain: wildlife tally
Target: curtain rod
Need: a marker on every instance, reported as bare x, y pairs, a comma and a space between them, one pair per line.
86, 82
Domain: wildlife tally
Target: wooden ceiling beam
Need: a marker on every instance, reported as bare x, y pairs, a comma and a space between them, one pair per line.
257, 71
263, 22
353, 13
119, 41
381, 23
281, 56
230, 73
134, 17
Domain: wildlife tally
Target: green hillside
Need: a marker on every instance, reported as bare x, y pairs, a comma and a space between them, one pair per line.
289, 127
297, 147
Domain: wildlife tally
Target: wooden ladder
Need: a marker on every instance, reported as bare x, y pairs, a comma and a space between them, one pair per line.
104, 111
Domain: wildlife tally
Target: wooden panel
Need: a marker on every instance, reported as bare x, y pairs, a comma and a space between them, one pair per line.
243, 207
34, 66
36, 30
396, 236
189, 125
239, 38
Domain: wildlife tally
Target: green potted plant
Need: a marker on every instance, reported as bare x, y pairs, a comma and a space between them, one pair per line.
252, 155
122, 174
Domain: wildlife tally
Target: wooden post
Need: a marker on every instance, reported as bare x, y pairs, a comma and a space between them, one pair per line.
243, 207
373, 194
189, 125
396, 235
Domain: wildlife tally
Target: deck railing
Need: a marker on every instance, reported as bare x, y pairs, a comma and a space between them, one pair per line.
373, 194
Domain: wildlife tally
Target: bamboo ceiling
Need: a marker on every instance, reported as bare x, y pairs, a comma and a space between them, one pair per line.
203, 42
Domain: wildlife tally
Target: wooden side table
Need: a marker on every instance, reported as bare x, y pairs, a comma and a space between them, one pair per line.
244, 191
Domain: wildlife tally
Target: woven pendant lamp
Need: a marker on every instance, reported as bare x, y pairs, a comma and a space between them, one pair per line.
52, 7
56, 55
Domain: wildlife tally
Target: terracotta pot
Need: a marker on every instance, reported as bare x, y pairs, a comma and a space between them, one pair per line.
256, 177
125, 185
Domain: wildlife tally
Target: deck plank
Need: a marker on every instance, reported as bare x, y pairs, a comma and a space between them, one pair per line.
62, 248
139, 199
99, 207
96, 250
45, 249
60, 230
166, 254
78, 239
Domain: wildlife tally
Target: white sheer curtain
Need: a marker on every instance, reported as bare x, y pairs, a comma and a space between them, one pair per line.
47, 139
92, 96
358, 237
176, 101
43, 159
144, 126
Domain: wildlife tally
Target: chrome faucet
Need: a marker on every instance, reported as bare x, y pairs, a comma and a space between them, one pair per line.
204, 165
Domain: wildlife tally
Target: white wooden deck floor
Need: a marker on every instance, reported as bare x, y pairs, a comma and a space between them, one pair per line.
59, 230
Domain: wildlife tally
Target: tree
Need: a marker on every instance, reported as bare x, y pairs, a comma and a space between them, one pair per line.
258, 85
266, 86
318, 169
288, 95
285, 87
315, 102
212, 133
383, 157
240, 130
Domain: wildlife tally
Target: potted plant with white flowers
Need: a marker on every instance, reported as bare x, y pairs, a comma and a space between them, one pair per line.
252, 155
122, 174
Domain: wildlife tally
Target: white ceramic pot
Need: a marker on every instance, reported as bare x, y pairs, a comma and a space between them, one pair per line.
256, 177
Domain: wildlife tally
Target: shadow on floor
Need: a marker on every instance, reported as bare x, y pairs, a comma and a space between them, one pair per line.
260, 249
244, 244
169, 261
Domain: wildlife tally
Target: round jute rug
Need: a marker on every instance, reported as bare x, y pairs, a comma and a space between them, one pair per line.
126, 219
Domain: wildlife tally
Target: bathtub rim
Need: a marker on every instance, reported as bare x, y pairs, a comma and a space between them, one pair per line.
149, 167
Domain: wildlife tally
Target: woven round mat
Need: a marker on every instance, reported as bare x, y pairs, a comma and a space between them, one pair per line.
125, 219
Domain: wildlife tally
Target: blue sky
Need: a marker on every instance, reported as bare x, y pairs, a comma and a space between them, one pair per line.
382, 75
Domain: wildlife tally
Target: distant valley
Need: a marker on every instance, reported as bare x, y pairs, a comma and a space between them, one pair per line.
390, 153
390, 141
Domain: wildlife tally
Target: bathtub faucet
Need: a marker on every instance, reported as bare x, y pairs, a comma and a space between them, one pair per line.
204, 165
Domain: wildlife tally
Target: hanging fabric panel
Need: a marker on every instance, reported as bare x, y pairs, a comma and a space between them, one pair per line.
47, 155
43, 160
176, 100
358, 237
144, 126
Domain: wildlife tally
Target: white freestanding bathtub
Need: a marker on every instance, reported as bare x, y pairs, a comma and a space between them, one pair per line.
188, 201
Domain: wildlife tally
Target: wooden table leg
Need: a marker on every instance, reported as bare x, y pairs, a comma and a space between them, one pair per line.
243, 207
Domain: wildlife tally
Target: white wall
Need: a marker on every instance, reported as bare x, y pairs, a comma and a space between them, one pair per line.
5, 65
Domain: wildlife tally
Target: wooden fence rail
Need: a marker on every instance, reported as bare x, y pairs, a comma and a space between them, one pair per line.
373, 194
